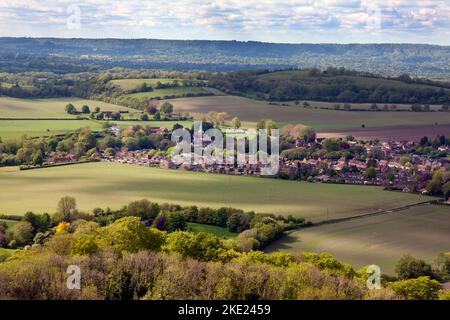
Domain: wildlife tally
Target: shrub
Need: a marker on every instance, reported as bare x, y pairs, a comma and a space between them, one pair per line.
422, 288
409, 267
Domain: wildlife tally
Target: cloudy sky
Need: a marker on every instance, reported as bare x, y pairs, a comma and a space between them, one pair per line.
294, 21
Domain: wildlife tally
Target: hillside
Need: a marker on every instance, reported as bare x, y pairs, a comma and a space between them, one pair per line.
332, 84
65, 55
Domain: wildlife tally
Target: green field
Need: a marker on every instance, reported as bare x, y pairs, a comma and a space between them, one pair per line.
251, 111
176, 92
48, 108
130, 84
114, 185
9, 223
222, 233
161, 124
36, 128
422, 231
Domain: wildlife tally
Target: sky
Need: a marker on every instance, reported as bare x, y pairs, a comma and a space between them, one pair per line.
287, 21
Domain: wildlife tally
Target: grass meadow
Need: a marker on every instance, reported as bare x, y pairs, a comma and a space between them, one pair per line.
175, 92
114, 185
10, 129
131, 84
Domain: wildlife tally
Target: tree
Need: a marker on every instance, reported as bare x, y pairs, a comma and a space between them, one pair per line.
446, 190
157, 115
167, 108
308, 134
171, 221
370, 173
62, 227
22, 233
131, 235
409, 267
201, 246
434, 187
66, 209
70, 109
116, 116
416, 107
143, 209
85, 109
37, 158
97, 109
390, 176
236, 123
422, 288
144, 117
445, 108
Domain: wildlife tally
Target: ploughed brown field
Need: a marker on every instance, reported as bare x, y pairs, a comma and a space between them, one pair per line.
414, 133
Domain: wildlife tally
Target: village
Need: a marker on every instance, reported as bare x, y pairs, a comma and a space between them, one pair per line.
391, 164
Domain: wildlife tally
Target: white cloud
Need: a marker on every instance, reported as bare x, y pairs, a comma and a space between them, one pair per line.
286, 20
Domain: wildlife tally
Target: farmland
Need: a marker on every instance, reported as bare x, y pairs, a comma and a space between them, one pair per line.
222, 233
422, 231
252, 111
45, 117
113, 185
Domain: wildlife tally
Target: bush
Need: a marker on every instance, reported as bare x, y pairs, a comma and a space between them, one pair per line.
409, 267
22, 233
422, 288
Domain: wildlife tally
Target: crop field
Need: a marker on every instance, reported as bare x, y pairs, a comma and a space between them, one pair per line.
414, 133
382, 125
249, 110
48, 108
130, 84
422, 231
222, 233
10, 129
113, 185
172, 92
358, 106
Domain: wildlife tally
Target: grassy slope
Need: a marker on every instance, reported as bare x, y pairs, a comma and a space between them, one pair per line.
9, 223
36, 128
222, 233
177, 91
113, 185
251, 111
48, 108
422, 231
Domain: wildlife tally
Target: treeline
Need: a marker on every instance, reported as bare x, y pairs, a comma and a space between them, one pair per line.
339, 85
261, 229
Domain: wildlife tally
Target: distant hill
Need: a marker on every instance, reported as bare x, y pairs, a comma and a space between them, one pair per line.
71, 55
332, 84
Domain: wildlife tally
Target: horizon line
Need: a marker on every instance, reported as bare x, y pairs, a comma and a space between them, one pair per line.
238, 41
